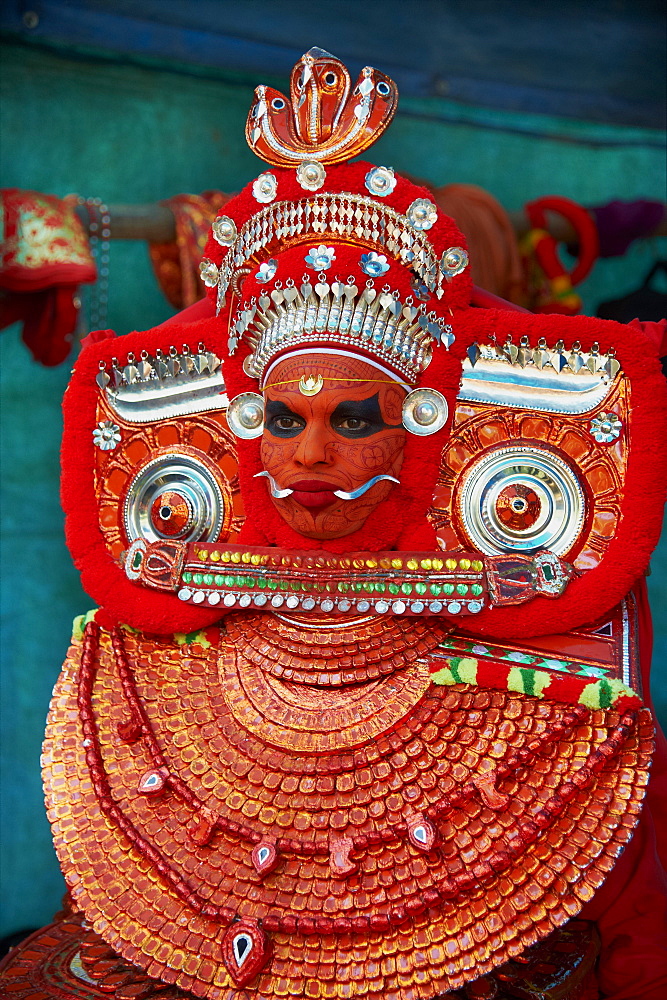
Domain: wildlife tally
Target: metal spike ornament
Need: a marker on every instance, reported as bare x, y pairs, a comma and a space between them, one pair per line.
326, 253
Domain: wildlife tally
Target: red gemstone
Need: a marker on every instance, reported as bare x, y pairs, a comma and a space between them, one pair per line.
153, 782
245, 950
264, 857
421, 832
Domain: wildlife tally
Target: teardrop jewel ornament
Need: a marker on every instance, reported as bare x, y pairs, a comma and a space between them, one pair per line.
245, 950
421, 833
264, 857
152, 783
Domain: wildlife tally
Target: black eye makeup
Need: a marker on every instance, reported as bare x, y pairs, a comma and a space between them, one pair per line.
358, 418
353, 418
282, 422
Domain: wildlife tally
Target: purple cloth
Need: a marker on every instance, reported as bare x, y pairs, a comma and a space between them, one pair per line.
621, 222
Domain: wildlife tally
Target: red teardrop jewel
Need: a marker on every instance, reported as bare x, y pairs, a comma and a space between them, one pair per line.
422, 834
245, 950
264, 857
153, 782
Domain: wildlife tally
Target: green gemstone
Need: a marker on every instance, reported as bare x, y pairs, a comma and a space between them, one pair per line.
208, 579
261, 582
393, 589
381, 587
435, 589
406, 587
448, 588
462, 588
229, 581
477, 589
187, 577
420, 588
137, 559
198, 578
343, 587
273, 584
218, 579
368, 586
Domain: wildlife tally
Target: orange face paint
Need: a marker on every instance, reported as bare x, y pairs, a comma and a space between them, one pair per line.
337, 439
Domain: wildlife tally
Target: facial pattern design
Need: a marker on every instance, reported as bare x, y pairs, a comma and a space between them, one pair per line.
346, 434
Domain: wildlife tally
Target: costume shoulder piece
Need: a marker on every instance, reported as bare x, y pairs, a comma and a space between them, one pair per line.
360, 712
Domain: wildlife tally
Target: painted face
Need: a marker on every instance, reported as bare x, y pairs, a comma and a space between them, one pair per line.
339, 438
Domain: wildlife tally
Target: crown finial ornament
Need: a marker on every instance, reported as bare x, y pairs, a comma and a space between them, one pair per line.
322, 121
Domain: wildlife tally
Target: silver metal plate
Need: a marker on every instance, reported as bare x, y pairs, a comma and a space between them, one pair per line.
550, 502
186, 476
144, 402
502, 384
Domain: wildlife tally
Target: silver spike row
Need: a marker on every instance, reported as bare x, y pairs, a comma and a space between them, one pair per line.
380, 326
182, 365
335, 216
563, 360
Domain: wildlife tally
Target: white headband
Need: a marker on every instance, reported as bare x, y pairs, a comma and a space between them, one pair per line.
344, 354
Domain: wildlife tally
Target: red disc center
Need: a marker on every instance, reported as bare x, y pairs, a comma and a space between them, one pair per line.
170, 513
518, 507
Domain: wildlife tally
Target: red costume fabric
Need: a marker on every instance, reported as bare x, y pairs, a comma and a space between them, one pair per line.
44, 257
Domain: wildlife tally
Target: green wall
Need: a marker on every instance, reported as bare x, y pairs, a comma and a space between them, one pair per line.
131, 134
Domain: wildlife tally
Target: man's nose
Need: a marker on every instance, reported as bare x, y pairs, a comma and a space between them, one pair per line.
312, 446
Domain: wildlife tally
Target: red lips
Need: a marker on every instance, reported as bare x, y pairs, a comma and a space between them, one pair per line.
313, 493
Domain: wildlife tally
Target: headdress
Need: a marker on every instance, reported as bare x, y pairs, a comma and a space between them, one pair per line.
325, 254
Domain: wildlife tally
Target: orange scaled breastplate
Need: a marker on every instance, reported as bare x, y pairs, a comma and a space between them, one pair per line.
293, 808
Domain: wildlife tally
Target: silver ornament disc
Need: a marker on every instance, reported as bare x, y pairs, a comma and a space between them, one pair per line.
425, 411
245, 415
522, 498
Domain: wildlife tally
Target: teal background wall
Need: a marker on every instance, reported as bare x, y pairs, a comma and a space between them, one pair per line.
128, 133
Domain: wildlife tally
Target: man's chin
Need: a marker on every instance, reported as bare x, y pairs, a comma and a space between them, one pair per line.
323, 523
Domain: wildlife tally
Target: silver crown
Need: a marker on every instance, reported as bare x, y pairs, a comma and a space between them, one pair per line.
401, 335
336, 216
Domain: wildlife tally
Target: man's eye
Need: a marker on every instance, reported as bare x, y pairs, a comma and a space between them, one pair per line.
352, 424
286, 423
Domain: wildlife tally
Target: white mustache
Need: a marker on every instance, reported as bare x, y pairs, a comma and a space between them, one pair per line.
279, 494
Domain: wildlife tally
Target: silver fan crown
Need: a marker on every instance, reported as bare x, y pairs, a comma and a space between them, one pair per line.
398, 334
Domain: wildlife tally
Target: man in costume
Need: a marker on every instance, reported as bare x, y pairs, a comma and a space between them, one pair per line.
360, 713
